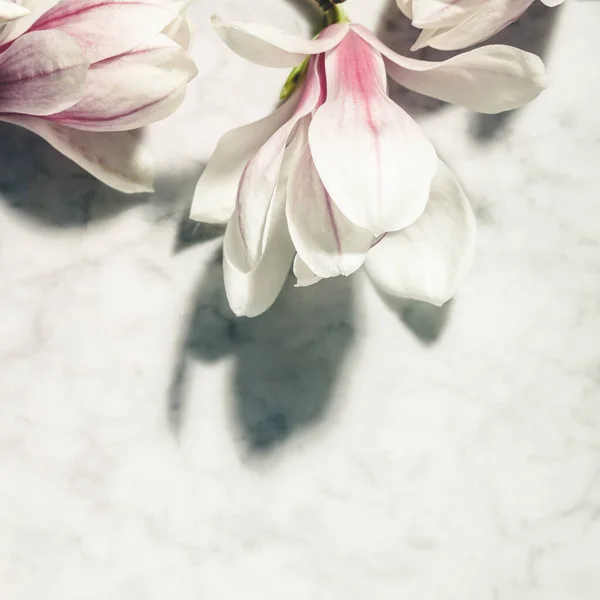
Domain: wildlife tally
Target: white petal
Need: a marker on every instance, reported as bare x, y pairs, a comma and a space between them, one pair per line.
424, 37
235, 248
215, 195
252, 293
489, 80
478, 25
374, 160
304, 276
180, 31
261, 175
107, 28
442, 13
271, 47
428, 260
10, 11
41, 73
324, 238
115, 158
134, 89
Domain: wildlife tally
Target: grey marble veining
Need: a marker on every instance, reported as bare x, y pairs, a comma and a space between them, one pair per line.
344, 445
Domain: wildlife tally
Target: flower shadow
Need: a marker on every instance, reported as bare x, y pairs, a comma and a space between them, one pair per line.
47, 187
396, 31
39, 182
286, 362
533, 33
426, 321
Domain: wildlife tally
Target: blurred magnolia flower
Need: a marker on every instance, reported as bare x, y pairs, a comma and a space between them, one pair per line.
340, 176
456, 24
83, 73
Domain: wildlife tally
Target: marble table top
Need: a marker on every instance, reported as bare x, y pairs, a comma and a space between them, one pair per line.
345, 445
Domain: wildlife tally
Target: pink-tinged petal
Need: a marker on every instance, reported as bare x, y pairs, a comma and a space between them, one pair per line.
115, 158
374, 160
271, 47
478, 25
134, 89
9, 11
235, 249
41, 73
428, 260
216, 192
304, 276
324, 238
107, 28
263, 172
252, 293
489, 80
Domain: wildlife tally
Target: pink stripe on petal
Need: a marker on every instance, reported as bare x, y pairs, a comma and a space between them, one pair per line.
134, 89
41, 73
324, 238
107, 28
133, 118
373, 159
262, 173
215, 195
489, 79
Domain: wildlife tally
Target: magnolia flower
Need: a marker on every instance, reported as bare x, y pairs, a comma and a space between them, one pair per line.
455, 24
83, 73
340, 176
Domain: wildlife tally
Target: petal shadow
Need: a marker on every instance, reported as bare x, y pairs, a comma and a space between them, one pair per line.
47, 187
533, 33
426, 321
38, 181
286, 362
396, 31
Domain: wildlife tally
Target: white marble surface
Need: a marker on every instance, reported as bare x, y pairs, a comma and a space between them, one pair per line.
342, 446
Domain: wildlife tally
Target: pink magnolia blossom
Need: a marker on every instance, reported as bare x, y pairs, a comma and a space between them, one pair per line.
456, 24
340, 176
83, 73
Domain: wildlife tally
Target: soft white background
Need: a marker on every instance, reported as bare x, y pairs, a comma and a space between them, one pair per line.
343, 446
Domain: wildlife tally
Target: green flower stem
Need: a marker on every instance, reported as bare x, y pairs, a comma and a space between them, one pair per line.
291, 83
334, 14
